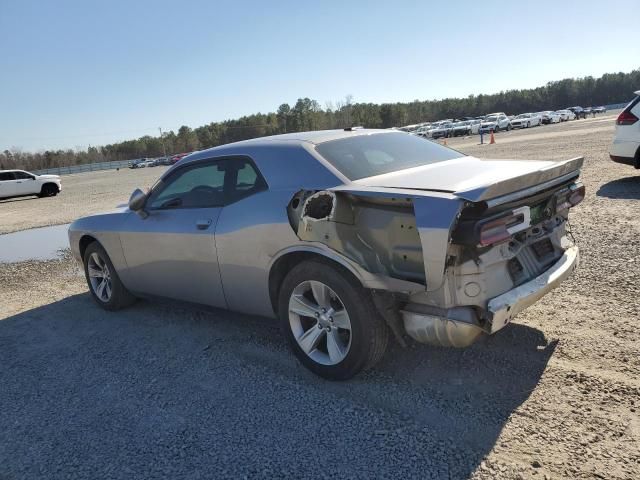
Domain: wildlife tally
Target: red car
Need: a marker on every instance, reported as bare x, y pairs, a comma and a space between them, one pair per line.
177, 157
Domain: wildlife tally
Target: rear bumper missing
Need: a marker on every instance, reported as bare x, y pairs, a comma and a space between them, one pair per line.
504, 307
460, 327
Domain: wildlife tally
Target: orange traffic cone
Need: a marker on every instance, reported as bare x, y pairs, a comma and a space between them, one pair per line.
492, 140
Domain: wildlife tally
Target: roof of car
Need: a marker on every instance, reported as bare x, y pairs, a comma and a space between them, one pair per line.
314, 137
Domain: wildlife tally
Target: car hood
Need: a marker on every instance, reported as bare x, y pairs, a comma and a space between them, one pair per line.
49, 177
486, 124
474, 179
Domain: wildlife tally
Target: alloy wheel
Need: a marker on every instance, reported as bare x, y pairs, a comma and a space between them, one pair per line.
99, 277
319, 322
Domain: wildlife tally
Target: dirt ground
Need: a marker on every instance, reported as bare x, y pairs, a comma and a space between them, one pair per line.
168, 390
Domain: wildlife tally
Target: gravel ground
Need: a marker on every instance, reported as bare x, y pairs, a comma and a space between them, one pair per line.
173, 391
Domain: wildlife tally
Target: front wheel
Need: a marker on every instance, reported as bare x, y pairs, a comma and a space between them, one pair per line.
48, 190
330, 321
104, 283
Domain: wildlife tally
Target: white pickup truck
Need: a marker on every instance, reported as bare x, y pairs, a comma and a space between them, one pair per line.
18, 183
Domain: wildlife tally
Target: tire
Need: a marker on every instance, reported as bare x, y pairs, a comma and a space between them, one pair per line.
48, 190
350, 321
509, 127
497, 129
113, 296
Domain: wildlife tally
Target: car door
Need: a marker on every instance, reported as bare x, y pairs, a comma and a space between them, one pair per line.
172, 252
25, 184
7, 185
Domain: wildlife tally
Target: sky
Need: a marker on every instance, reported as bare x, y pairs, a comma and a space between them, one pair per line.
77, 73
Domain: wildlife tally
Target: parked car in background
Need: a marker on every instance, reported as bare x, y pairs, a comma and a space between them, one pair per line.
549, 117
525, 120
578, 111
176, 158
136, 163
349, 237
626, 141
495, 122
444, 130
18, 183
599, 109
464, 128
434, 126
147, 163
566, 115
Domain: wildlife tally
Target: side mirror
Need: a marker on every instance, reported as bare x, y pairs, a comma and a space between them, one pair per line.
136, 202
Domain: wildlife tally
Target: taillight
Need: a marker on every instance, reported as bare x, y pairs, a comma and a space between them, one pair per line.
500, 229
626, 118
577, 194
570, 197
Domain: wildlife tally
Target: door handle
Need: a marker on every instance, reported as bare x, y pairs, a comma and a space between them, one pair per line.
203, 224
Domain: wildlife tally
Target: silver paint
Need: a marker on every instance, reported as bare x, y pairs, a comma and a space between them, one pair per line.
223, 256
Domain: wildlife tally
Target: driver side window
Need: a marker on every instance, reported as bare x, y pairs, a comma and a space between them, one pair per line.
197, 186
22, 176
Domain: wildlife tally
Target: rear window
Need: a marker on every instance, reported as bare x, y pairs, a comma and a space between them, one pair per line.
369, 155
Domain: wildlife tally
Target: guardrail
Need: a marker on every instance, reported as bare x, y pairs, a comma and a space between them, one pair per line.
85, 167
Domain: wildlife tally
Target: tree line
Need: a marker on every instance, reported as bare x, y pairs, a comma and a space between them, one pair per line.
307, 114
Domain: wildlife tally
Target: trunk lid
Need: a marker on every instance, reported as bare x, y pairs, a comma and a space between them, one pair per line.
475, 180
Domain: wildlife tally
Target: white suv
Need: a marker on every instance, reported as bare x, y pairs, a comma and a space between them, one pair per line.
495, 122
626, 142
18, 183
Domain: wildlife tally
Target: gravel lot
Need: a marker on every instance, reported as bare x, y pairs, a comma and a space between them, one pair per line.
82, 194
173, 391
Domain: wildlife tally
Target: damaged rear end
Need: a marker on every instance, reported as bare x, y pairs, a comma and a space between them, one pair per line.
479, 252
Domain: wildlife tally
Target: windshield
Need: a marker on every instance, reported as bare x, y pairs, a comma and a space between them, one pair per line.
523, 115
491, 119
369, 155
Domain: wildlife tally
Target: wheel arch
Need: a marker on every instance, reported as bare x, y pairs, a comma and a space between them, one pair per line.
84, 242
286, 261
47, 184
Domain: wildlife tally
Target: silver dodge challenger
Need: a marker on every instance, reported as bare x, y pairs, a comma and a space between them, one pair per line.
348, 237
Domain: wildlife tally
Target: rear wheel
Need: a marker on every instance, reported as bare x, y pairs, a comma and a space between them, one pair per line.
330, 321
104, 283
48, 190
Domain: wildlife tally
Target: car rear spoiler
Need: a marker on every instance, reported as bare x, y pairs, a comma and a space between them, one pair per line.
524, 185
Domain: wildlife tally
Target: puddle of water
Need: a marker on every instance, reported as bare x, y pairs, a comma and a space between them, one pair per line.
35, 244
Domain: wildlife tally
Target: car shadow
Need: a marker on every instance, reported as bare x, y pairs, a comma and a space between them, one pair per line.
161, 384
627, 188
18, 199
